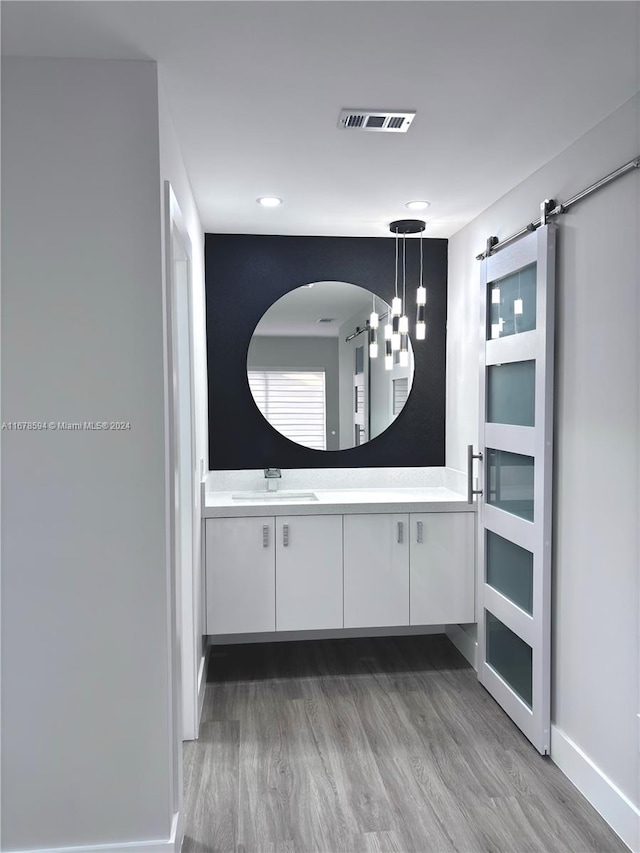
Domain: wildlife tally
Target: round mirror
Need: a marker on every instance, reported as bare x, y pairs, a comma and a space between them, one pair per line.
313, 374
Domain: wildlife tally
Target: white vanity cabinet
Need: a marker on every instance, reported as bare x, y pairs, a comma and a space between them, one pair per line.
308, 572
442, 568
376, 570
346, 568
268, 574
240, 575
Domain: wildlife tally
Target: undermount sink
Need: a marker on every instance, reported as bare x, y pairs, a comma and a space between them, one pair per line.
282, 495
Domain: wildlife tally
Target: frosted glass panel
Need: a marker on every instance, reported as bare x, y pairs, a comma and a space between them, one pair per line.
510, 656
511, 393
510, 482
512, 304
510, 570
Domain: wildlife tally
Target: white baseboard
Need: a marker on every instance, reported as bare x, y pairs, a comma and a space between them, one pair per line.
326, 634
464, 643
608, 800
163, 845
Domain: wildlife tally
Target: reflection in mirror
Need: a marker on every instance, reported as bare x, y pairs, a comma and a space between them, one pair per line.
310, 371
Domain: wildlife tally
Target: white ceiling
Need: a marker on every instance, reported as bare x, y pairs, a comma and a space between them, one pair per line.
255, 89
297, 312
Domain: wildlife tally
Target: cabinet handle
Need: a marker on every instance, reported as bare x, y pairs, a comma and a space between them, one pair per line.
265, 536
285, 535
470, 457
419, 539
400, 533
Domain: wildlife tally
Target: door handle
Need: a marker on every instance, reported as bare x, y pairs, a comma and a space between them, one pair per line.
285, 535
419, 530
470, 457
265, 536
400, 532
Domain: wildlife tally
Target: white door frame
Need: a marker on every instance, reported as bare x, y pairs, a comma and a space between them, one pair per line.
184, 475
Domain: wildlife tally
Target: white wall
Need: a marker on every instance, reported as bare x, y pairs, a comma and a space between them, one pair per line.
85, 634
172, 169
596, 556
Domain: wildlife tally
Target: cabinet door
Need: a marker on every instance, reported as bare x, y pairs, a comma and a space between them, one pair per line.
308, 572
376, 570
240, 566
442, 568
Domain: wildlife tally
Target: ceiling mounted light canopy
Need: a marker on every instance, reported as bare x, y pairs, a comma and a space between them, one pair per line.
269, 201
396, 330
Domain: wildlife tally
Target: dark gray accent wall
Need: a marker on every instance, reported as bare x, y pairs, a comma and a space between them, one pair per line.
245, 274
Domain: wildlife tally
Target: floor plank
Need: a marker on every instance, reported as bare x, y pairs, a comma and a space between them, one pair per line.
385, 745
212, 803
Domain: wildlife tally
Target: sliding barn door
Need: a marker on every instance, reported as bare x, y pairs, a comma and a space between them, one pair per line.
516, 436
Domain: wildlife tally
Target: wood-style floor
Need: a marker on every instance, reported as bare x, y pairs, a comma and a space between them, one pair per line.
342, 746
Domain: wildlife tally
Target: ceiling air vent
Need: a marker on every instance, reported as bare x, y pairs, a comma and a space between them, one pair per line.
380, 121
326, 320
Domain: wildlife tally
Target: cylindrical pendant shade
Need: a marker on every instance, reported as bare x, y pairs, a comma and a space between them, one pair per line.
404, 350
373, 342
388, 353
395, 333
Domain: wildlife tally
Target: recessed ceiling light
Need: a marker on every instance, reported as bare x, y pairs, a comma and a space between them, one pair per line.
417, 205
269, 201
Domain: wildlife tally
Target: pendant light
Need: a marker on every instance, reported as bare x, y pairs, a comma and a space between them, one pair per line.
400, 337
396, 310
421, 302
388, 351
374, 321
396, 329
404, 320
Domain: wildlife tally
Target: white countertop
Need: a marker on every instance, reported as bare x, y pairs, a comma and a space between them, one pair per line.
338, 502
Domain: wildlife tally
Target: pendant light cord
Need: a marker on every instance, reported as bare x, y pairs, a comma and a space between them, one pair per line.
421, 278
397, 246
404, 271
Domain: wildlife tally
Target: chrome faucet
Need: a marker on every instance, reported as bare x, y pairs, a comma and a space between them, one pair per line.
272, 475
